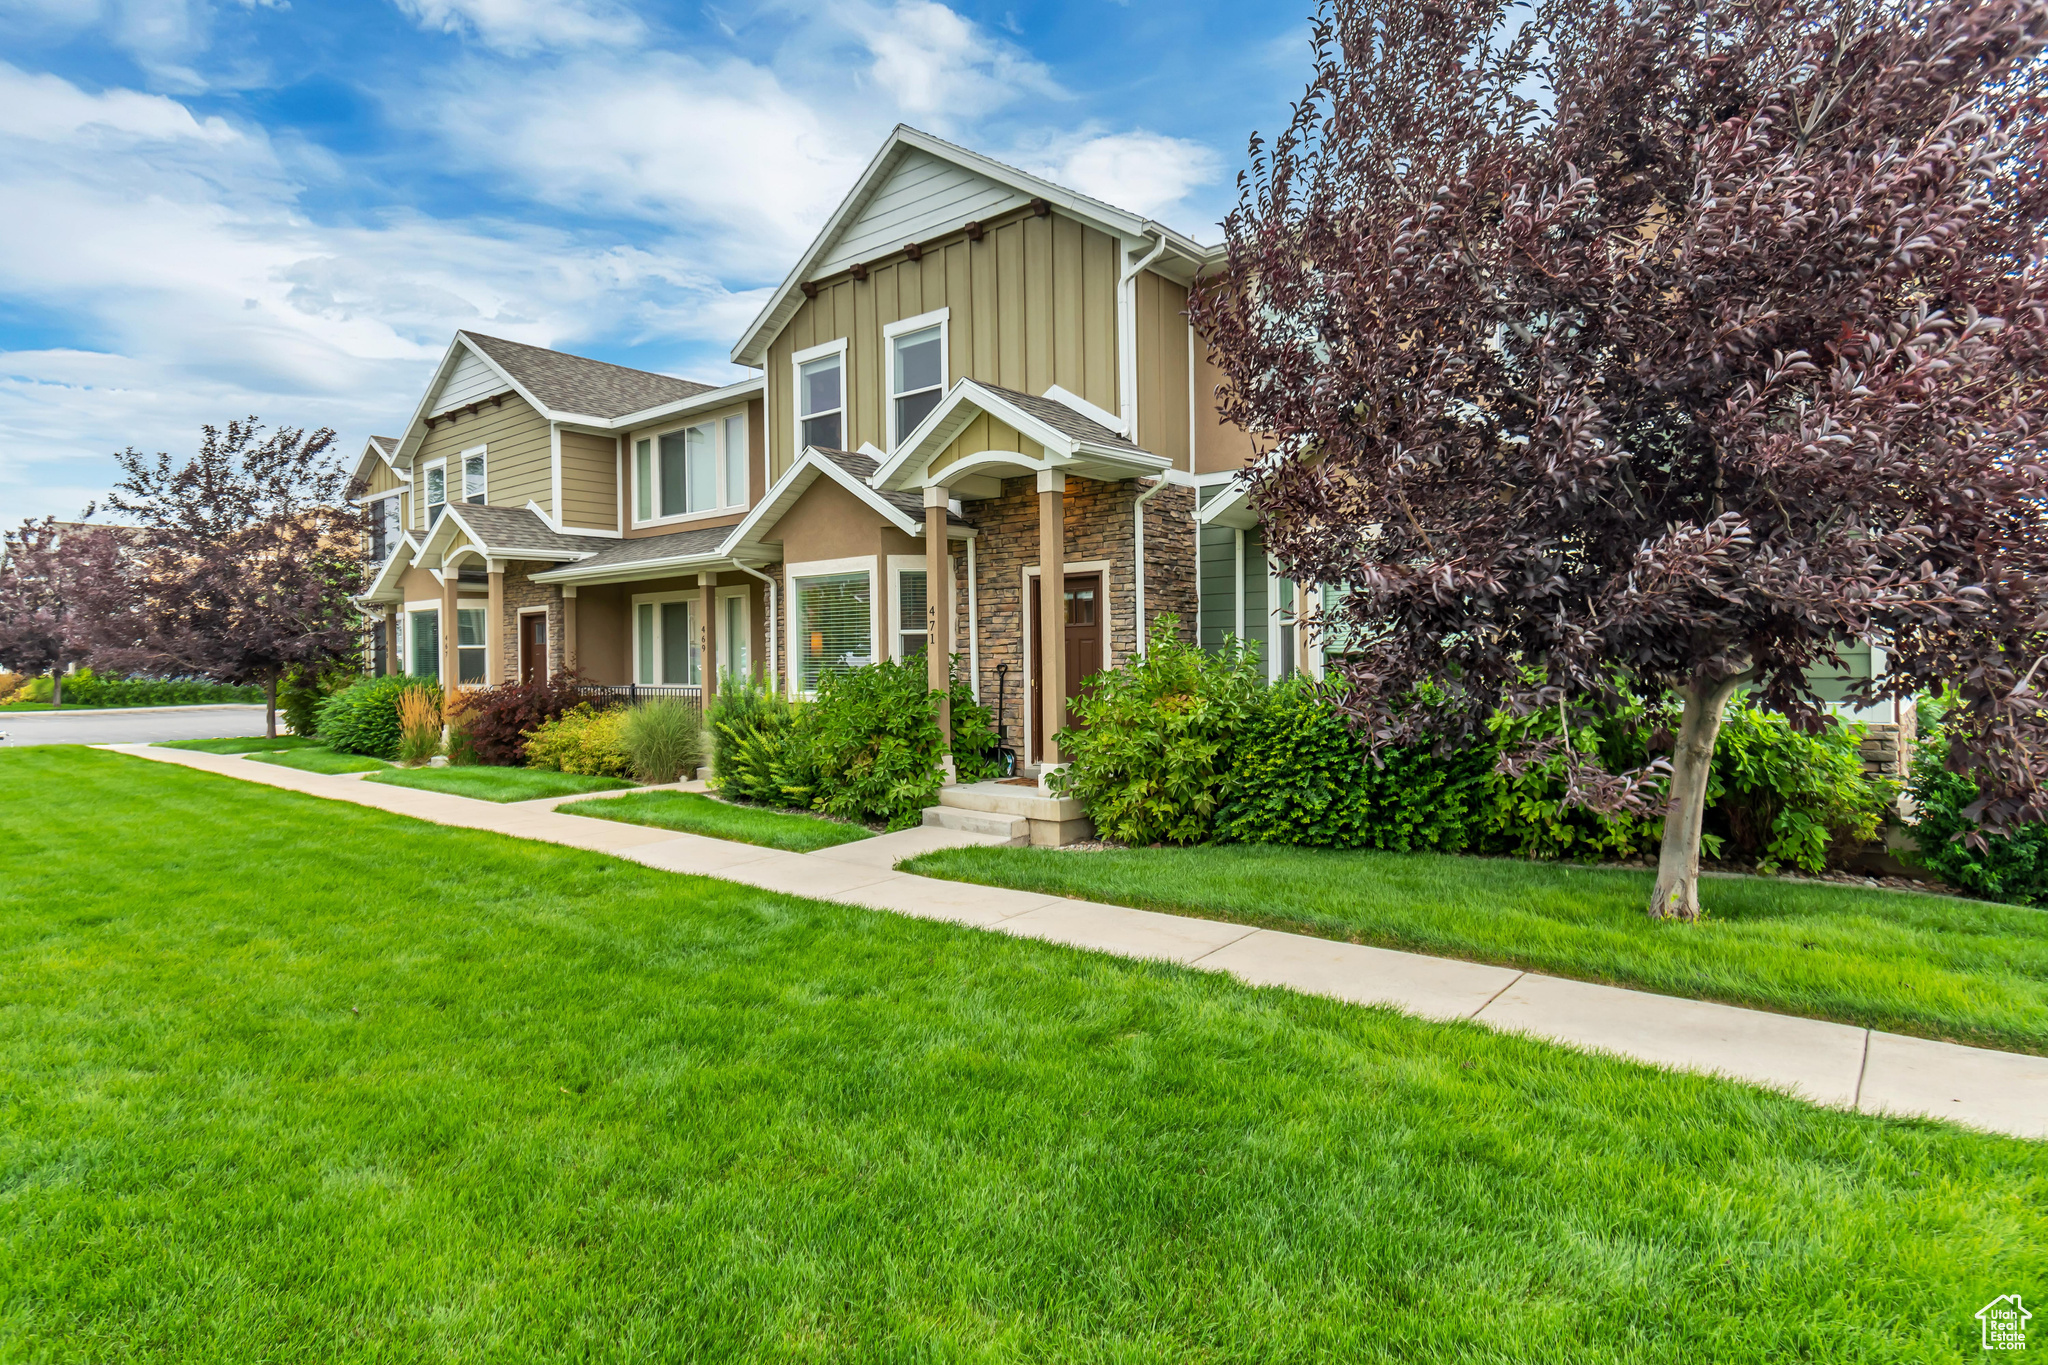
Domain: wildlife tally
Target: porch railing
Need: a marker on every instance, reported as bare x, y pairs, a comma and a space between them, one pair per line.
639, 692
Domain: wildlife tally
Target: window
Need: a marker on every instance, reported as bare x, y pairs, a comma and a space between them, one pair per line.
835, 625
426, 644
821, 401
913, 626
473, 475
667, 651
735, 634
437, 490
917, 378
469, 644
384, 528
697, 469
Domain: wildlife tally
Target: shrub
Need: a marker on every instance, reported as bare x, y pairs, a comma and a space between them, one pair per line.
363, 718
86, 688
1779, 797
1299, 775
1157, 737
2010, 867
496, 720
868, 748
1526, 812
303, 691
581, 740
974, 730
750, 725
419, 725
664, 738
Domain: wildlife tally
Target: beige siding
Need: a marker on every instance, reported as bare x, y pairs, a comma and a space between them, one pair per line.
590, 481
1162, 363
1219, 446
1031, 305
518, 462
986, 433
383, 479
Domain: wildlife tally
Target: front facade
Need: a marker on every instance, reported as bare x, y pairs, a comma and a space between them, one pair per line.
978, 407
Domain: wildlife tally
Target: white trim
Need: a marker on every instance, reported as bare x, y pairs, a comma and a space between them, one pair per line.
1090, 458
1127, 330
1191, 396
692, 598
898, 566
721, 652
1030, 576
773, 618
738, 391
1274, 614
653, 436
1067, 398
939, 318
820, 568
1237, 579
555, 476
797, 361
482, 451
426, 509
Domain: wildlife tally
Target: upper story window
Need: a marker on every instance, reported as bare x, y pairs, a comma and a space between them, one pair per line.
473, 475
917, 371
437, 490
384, 528
696, 469
821, 396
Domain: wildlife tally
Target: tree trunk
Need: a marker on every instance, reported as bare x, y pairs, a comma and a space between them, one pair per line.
57, 689
270, 707
1678, 863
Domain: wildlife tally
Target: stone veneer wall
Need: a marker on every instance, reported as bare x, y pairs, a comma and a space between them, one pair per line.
521, 591
1098, 527
1888, 747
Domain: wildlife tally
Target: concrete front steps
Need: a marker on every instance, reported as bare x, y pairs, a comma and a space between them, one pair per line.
1020, 814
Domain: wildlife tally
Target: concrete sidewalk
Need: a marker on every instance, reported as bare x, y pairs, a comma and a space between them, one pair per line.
1831, 1064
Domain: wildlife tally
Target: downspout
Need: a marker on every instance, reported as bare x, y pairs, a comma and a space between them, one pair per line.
1127, 332
973, 628
774, 616
1237, 579
1138, 539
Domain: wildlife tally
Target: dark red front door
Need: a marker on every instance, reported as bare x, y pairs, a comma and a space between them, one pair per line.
533, 646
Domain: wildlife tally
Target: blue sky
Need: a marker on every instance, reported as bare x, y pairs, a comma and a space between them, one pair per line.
219, 207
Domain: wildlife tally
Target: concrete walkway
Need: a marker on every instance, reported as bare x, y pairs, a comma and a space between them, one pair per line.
1831, 1064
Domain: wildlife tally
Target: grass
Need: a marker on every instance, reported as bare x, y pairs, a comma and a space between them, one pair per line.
296, 1080
321, 760
697, 814
241, 744
498, 784
1934, 966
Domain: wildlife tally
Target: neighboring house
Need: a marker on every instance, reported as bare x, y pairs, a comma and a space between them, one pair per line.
980, 405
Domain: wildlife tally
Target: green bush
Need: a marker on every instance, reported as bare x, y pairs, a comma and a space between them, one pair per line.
1157, 738
750, 724
86, 688
363, 719
1527, 815
1781, 798
2010, 867
304, 691
1299, 775
868, 748
664, 738
974, 731
582, 740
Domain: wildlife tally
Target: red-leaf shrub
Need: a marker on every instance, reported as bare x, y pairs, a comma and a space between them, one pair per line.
497, 719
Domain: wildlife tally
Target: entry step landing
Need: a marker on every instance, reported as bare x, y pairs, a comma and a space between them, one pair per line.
1049, 820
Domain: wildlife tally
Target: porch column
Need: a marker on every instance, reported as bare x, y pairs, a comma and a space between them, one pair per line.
1052, 612
569, 629
391, 615
935, 659
450, 674
494, 627
707, 612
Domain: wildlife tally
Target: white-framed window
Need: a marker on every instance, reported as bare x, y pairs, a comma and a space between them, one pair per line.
908, 610
385, 528
423, 642
473, 474
470, 647
821, 396
690, 471
437, 489
831, 619
667, 641
735, 633
917, 370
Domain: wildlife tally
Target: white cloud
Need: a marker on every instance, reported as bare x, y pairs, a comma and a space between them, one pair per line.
522, 26
939, 66
1147, 173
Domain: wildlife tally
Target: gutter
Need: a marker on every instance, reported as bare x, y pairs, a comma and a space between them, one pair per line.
1138, 551
774, 617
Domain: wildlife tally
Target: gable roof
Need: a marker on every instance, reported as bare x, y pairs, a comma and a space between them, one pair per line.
852, 470
903, 143
640, 555
504, 533
564, 383
376, 448
1071, 439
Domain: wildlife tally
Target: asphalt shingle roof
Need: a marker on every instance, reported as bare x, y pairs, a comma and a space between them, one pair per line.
574, 383
1062, 418
520, 528
700, 540
863, 467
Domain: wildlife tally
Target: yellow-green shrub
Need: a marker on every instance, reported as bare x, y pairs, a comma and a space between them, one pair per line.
581, 740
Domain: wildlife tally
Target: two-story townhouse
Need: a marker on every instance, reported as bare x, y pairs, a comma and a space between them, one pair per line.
979, 408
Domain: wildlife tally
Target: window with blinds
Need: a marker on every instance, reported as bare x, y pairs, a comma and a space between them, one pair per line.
913, 626
469, 644
835, 615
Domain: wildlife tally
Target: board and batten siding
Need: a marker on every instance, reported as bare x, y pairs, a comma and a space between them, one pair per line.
1219, 446
383, 479
518, 461
1031, 305
590, 482
1162, 357
986, 433
472, 379
922, 197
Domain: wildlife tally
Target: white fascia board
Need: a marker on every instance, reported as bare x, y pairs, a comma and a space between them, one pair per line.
711, 398
752, 347
416, 430
639, 568
939, 426
861, 489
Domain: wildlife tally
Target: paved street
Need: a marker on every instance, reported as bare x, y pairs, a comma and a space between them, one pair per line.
137, 725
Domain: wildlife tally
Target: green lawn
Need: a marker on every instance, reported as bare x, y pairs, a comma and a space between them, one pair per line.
1929, 965
697, 814
498, 784
320, 760
240, 745
294, 1080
